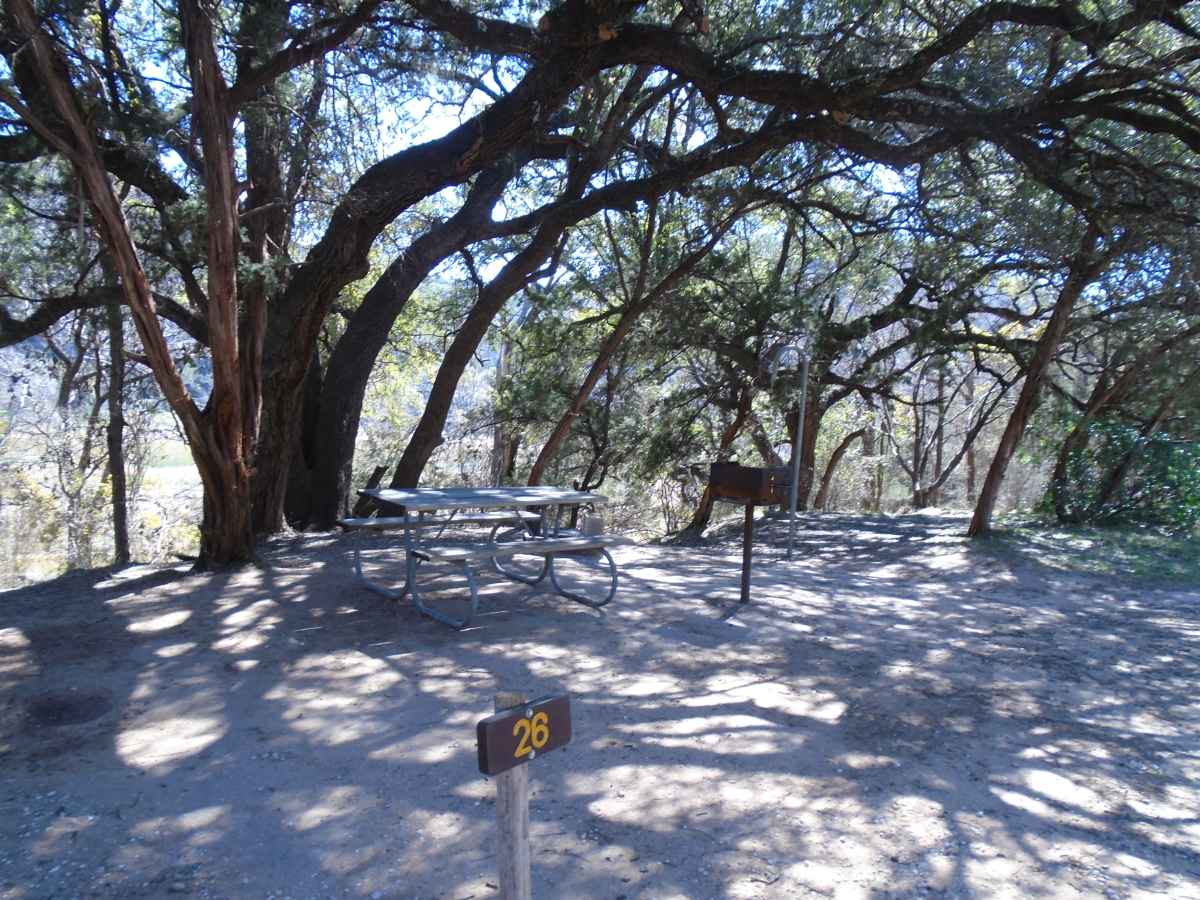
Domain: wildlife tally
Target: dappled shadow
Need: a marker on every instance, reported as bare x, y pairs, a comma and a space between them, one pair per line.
895, 712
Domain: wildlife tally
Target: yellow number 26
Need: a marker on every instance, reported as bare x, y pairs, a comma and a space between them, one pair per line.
533, 733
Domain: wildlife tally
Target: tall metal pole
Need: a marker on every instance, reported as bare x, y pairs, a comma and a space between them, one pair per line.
794, 493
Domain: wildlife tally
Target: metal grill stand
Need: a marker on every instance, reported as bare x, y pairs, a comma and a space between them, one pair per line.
752, 487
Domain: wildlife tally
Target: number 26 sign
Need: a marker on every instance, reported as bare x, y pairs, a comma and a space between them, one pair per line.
520, 733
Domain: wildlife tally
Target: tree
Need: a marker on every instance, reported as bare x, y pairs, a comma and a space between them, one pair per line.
1085, 266
1050, 87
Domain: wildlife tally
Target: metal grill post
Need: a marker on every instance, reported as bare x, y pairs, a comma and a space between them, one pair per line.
794, 492
747, 551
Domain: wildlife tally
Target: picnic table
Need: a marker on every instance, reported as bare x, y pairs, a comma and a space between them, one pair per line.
521, 525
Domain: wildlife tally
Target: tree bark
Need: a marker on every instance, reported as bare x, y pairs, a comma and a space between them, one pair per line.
115, 434
298, 505
216, 436
835, 458
344, 384
232, 412
969, 389
1085, 266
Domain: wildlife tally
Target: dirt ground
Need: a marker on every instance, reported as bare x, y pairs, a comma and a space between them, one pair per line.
897, 714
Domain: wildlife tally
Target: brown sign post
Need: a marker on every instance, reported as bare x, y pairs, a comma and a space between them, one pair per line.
519, 732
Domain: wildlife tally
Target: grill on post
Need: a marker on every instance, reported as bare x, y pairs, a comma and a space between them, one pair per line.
745, 484
752, 487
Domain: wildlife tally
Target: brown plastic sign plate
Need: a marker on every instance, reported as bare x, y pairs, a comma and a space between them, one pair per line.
516, 735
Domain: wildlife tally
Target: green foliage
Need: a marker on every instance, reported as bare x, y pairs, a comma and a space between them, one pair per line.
1161, 486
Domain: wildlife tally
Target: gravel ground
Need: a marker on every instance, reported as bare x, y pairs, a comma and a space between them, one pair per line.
897, 714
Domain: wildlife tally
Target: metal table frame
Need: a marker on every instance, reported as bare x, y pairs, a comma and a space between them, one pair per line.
422, 501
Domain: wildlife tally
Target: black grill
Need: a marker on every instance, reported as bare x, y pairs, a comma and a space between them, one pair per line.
748, 484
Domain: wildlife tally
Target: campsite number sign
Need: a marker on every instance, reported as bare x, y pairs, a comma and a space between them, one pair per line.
520, 733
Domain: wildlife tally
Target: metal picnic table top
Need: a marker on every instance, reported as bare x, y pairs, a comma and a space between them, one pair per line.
430, 499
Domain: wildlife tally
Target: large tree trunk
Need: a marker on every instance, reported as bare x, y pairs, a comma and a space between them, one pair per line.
300, 494
218, 436
935, 493
836, 457
1085, 267
115, 435
969, 389
381, 194
232, 412
344, 385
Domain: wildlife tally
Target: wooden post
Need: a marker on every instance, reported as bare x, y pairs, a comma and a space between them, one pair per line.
747, 550
512, 820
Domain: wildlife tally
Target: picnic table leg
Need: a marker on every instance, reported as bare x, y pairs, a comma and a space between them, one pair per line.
534, 580
437, 614
580, 598
375, 586
410, 559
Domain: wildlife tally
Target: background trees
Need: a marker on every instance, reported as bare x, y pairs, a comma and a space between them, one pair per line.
929, 198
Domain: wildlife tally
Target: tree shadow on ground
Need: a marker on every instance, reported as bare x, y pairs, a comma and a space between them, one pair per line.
894, 713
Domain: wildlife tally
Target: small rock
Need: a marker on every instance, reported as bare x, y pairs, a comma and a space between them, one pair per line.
178, 887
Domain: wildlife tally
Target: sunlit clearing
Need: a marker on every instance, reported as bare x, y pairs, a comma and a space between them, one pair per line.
169, 740
333, 803
1061, 790
251, 614
15, 655
171, 650
433, 745
168, 733
337, 700
864, 761
163, 622
198, 828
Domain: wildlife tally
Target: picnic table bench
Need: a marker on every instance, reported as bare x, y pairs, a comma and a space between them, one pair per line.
521, 526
